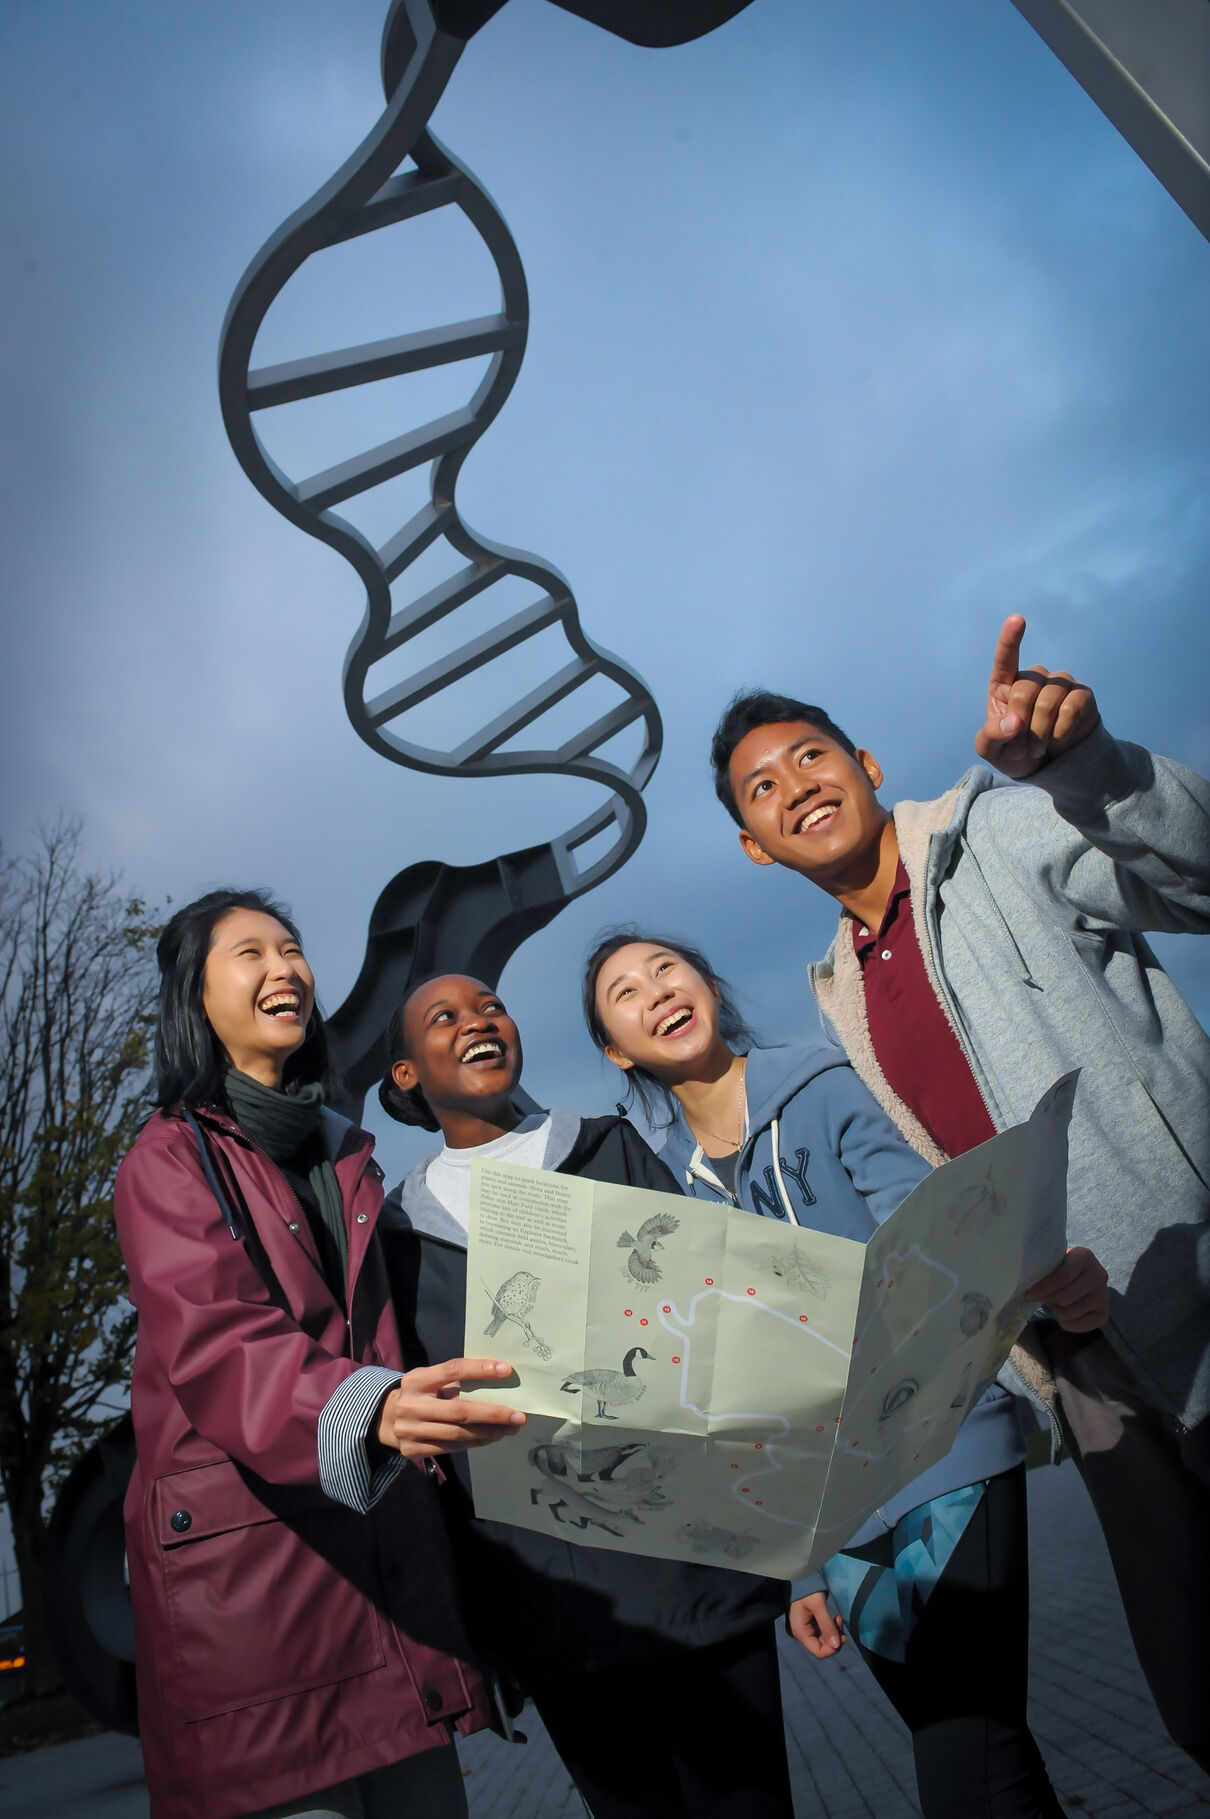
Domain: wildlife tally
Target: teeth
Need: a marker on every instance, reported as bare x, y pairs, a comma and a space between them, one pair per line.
669, 1023
281, 1001
483, 1048
823, 813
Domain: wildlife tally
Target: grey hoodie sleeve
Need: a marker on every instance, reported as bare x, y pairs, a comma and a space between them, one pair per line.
1140, 858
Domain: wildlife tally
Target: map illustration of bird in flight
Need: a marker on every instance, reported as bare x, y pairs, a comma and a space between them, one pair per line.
641, 1265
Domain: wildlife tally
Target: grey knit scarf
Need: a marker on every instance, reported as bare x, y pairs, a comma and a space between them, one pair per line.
280, 1123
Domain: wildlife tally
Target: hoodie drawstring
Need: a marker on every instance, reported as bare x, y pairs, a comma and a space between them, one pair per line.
790, 1213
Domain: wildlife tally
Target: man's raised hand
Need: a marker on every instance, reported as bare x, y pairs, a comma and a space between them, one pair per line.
429, 1414
1033, 715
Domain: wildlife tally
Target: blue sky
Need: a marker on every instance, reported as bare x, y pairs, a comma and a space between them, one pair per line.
854, 327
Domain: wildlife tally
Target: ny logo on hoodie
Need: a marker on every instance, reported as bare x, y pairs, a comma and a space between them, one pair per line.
770, 1202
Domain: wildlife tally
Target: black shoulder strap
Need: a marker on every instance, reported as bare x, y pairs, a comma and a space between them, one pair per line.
211, 1174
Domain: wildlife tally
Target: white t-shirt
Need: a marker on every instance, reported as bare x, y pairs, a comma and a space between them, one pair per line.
448, 1175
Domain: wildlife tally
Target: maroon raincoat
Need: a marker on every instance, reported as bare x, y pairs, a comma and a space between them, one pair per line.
283, 1642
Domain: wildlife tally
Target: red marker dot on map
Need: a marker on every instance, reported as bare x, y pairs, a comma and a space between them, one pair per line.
666, 1309
734, 1468
819, 1429
628, 1311
873, 1368
803, 1319
676, 1360
709, 1281
759, 1504
643, 1322
746, 1489
759, 1446
751, 1291
864, 1464
916, 1333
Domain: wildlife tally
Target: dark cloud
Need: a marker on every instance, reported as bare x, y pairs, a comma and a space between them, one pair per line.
853, 329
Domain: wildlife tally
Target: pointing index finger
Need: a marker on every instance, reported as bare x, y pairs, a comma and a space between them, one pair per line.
1005, 663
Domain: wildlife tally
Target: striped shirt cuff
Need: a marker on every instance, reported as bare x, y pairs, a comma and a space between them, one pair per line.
345, 1423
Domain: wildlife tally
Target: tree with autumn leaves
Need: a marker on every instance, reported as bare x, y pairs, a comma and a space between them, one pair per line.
77, 987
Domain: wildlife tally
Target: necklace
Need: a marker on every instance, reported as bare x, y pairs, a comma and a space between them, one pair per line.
736, 1142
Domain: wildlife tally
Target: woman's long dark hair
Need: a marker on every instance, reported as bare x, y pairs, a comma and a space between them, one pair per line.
190, 1063
657, 1100
411, 1107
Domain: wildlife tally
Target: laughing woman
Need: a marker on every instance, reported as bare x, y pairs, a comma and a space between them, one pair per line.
657, 1681
299, 1648
935, 1586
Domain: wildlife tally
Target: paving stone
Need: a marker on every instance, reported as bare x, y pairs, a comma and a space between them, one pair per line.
850, 1756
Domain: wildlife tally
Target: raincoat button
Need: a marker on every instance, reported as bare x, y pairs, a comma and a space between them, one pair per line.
362, 1218
433, 1699
179, 1521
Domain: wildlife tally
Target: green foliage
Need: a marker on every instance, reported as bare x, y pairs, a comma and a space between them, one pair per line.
76, 1018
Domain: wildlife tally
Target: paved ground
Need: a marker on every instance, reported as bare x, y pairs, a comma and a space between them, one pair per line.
1106, 1750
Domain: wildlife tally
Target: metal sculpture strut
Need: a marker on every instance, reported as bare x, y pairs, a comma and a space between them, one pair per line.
434, 916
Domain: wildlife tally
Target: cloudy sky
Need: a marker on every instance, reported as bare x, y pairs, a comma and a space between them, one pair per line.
854, 327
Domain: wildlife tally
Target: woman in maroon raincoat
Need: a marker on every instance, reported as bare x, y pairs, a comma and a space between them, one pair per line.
298, 1642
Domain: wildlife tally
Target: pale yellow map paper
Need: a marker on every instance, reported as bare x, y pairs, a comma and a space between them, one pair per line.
706, 1384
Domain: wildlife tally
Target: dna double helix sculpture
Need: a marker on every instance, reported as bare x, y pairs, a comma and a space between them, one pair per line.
434, 916
431, 916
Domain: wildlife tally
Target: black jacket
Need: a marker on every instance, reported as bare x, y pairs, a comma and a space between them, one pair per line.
540, 1608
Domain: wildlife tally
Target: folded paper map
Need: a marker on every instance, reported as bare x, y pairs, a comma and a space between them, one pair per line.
705, 1384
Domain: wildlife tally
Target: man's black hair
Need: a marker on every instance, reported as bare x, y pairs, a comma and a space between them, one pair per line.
658, 1103
742, 715
190, 1065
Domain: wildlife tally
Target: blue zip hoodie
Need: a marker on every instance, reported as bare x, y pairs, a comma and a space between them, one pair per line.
820, 1152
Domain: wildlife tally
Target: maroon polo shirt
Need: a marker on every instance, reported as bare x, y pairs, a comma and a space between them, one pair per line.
916, 1047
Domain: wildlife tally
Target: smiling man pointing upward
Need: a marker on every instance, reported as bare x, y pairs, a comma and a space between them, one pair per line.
988, 942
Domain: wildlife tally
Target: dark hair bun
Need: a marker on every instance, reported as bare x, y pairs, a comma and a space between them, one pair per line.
406, 1108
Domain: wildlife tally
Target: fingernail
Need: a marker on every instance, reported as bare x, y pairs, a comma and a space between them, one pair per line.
502, 1370
1008, 722
517, 1420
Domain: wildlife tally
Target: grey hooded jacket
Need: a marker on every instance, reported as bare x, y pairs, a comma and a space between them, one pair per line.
1030, 904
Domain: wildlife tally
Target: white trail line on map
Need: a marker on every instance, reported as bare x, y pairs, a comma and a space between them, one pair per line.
772, 1464
678, 1327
